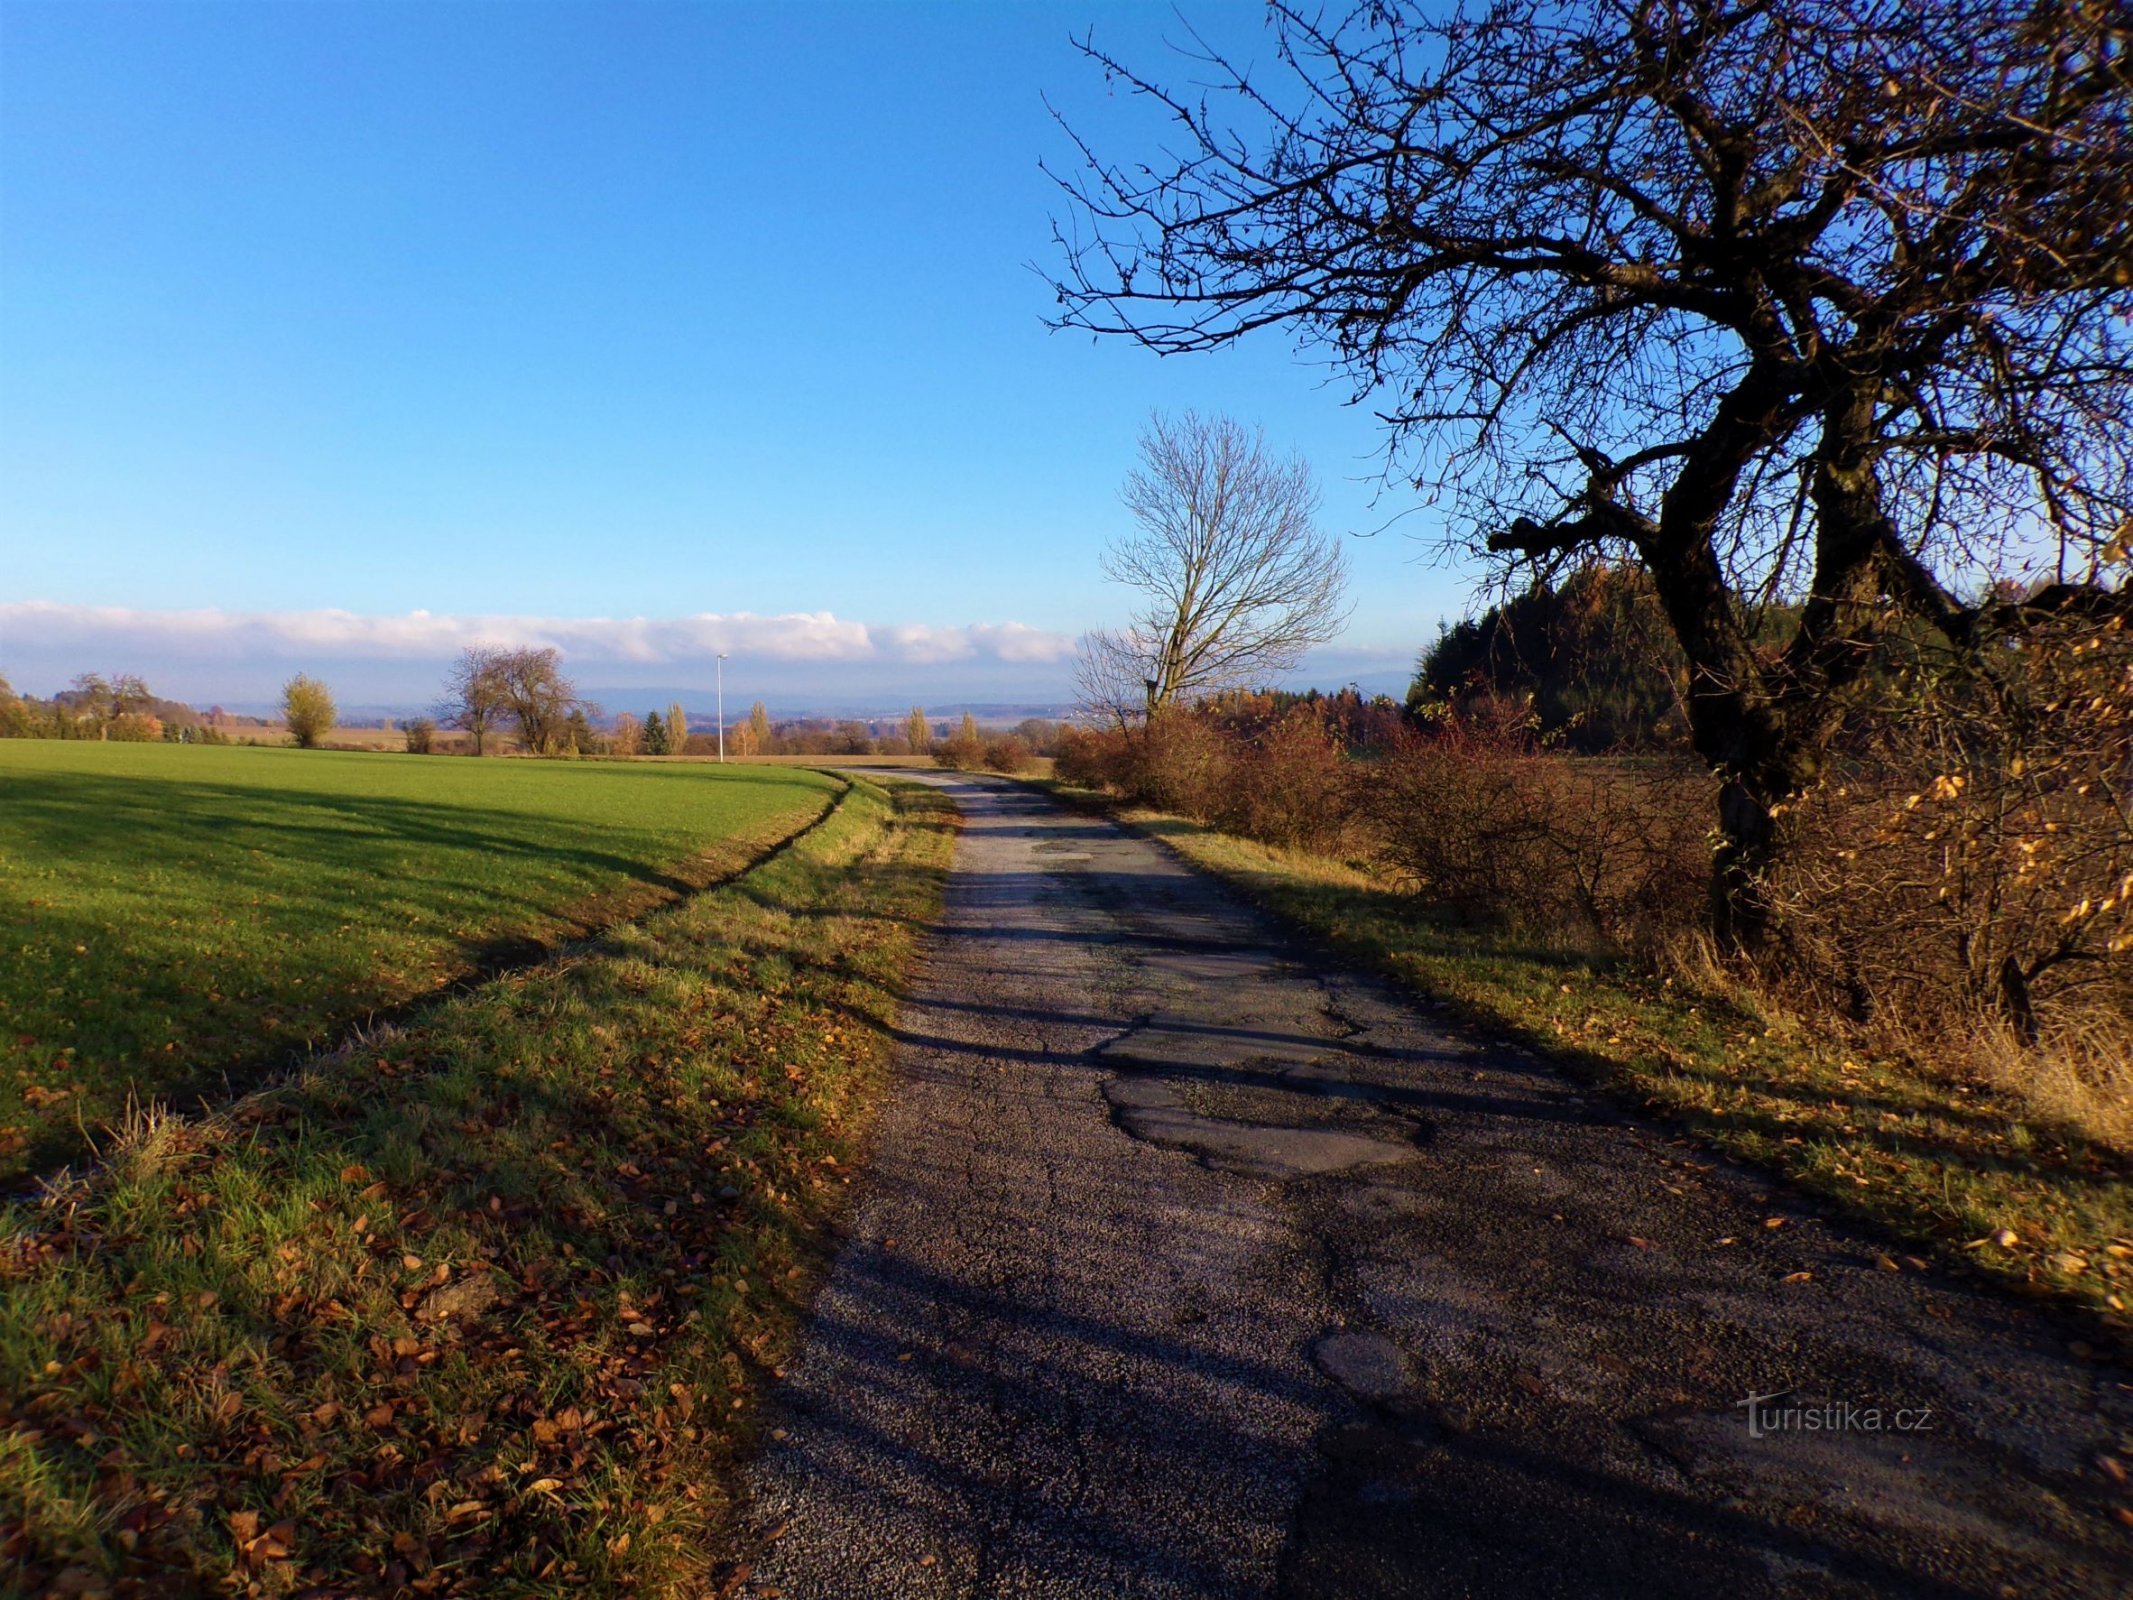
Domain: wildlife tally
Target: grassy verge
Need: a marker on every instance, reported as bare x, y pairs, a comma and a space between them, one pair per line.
485, 1304
1947, 1165
179, 920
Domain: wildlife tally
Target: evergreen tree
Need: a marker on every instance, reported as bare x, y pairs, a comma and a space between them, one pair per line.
654, 737
1591, 657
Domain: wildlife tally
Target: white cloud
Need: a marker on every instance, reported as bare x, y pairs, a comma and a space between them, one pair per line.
105, 633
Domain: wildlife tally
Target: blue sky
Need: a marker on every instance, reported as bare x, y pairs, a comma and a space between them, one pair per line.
523, 315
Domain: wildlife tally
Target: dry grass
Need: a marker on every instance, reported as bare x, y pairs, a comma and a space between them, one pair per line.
2077, 1076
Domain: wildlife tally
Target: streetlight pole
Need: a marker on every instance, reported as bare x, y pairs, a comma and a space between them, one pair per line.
722, 705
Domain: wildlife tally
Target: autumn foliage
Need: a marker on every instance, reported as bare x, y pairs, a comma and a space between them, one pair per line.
1976, 852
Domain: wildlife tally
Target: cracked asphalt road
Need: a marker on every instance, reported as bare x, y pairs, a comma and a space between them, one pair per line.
1188, 1264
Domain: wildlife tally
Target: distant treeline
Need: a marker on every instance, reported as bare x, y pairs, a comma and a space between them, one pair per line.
120, 707
498, 701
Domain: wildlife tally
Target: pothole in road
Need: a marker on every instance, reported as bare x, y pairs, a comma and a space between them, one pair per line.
1367, 1365
1152, 1110
1254, 1102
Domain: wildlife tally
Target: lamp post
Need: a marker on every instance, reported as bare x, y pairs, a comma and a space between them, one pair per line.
722, 705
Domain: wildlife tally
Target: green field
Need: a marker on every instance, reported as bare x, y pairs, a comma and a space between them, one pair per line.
178, 920
489, 1303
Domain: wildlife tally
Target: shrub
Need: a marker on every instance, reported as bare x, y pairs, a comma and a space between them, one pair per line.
421, 736
1292, 786
964, 754
1093, 758
1445, 822
1975, 857
134, 727
1178, 761
1554, 845
1009, 755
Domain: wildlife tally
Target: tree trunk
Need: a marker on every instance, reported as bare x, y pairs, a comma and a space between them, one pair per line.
1736, 729
2017, 1004
1763, 723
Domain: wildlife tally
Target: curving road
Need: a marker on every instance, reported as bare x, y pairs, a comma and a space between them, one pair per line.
1187, 1264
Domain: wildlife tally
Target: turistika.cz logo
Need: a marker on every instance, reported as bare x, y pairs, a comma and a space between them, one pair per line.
1786, 1412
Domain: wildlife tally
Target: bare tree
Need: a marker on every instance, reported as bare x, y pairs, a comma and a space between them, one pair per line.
474, 694
1237, 582
1824, 300
537, 697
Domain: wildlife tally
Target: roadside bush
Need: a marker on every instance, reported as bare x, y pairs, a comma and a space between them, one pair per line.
1092, 758
1292, 786
421, 736
1472, 817
1973, 865
1446, 823
1178, 761
1557, 846
965, 754
1009, 755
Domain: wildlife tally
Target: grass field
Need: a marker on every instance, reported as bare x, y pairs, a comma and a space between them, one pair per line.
1949, 1167
484, 1305
178, 919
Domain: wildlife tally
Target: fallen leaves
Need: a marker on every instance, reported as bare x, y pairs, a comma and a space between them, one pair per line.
256, 1546
2005, 1238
